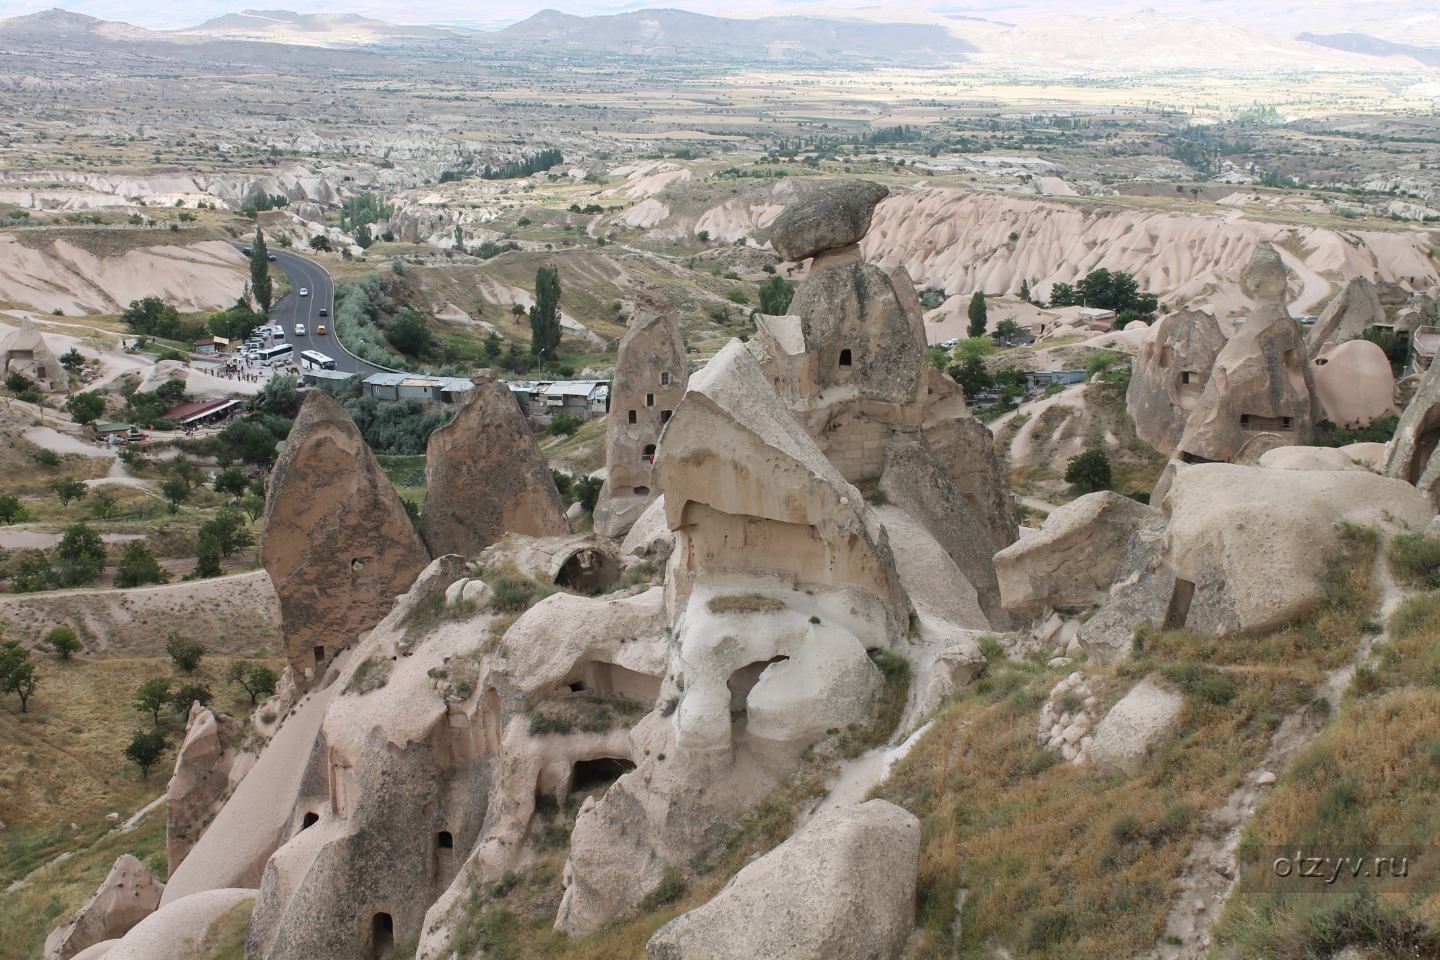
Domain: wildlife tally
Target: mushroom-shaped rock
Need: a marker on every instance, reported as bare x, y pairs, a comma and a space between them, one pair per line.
1071, 563
24, 351
1169, 375
1251, 547
836, 215
841, 888
485, 477
1356, 309
651, 373
1135, 729
1354, 383
338, 544
127, 896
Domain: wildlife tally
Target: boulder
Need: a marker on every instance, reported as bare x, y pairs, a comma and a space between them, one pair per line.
1260, 394
1071, 564
1411, 451
1308, 458
916, 481
200, 780
1251, 547
1141, 593
1354, 383
1354, 310
650, 378
1169, 375
188, 928
841, 888
128, 895
338, 544
1141, 725
836, 215
649, 537
966, 447
485, 477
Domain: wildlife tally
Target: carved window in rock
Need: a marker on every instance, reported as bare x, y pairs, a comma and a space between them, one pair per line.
632, 418
649, 399
846, 358
665, 416
1251, 421
665, 379
648, 455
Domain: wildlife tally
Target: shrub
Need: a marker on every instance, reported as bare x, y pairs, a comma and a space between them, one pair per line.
1090, 470
185, 654
562, 424
191, 693
63, 641
1415, 557
138, 567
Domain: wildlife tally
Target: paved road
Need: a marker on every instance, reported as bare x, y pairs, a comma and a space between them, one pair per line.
293, 308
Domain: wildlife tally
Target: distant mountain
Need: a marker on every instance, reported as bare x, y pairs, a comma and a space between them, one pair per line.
321, 30
676, 32
56, 24
1374, 46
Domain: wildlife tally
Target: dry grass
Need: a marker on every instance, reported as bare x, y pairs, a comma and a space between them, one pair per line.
29, 914
744, 603
26, 478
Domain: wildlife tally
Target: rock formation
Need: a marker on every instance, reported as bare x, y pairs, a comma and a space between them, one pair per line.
650, 378
338, 544
1412, 450
128, 895
24, 351
1141, 725
1169, 375
1250, 546
200, 780
826, 220
485, 477
1260, 394
1140, 593
1354, 310
1354, 383
1070, 565
841, 888
186, 929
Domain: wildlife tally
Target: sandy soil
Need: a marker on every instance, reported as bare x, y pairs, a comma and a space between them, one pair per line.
13, 539
61, 276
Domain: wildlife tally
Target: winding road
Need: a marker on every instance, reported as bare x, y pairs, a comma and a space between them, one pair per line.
293, 308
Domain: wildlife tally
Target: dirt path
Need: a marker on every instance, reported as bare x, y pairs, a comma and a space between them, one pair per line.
1209, 875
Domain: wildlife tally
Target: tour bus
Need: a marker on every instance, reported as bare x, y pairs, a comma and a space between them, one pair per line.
280, 353
314, 360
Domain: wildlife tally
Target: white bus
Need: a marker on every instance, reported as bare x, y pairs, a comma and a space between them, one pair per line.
280, 353
313, 360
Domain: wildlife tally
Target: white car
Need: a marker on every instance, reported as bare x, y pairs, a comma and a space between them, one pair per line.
299, 329
304, 291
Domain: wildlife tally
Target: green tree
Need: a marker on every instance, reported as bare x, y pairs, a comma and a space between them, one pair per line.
258, 680
363, 237
102, 505
185, 654
253, 506
545, 314
63, 640
775, 295
493, 346
281, 397
152, 695
80, 556
72, 360
46, 458
972, 376
978, 314
17, 672
32, 573
1025, 290
67, 489
408, 334
207, 560
1090, 470
176, 490
138, 566
261, 287
1007, 330
231, 482
11, 509
229, 531
587, 492
145, 749
320, 243
191, 693
23, 387
562, 424
1062, 295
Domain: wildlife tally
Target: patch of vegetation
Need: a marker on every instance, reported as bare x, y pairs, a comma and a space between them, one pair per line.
585, 714
744, 603
895, 672
370, 674
513, 591
1415, 559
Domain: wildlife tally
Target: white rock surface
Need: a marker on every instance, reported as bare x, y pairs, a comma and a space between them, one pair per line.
1135, 729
